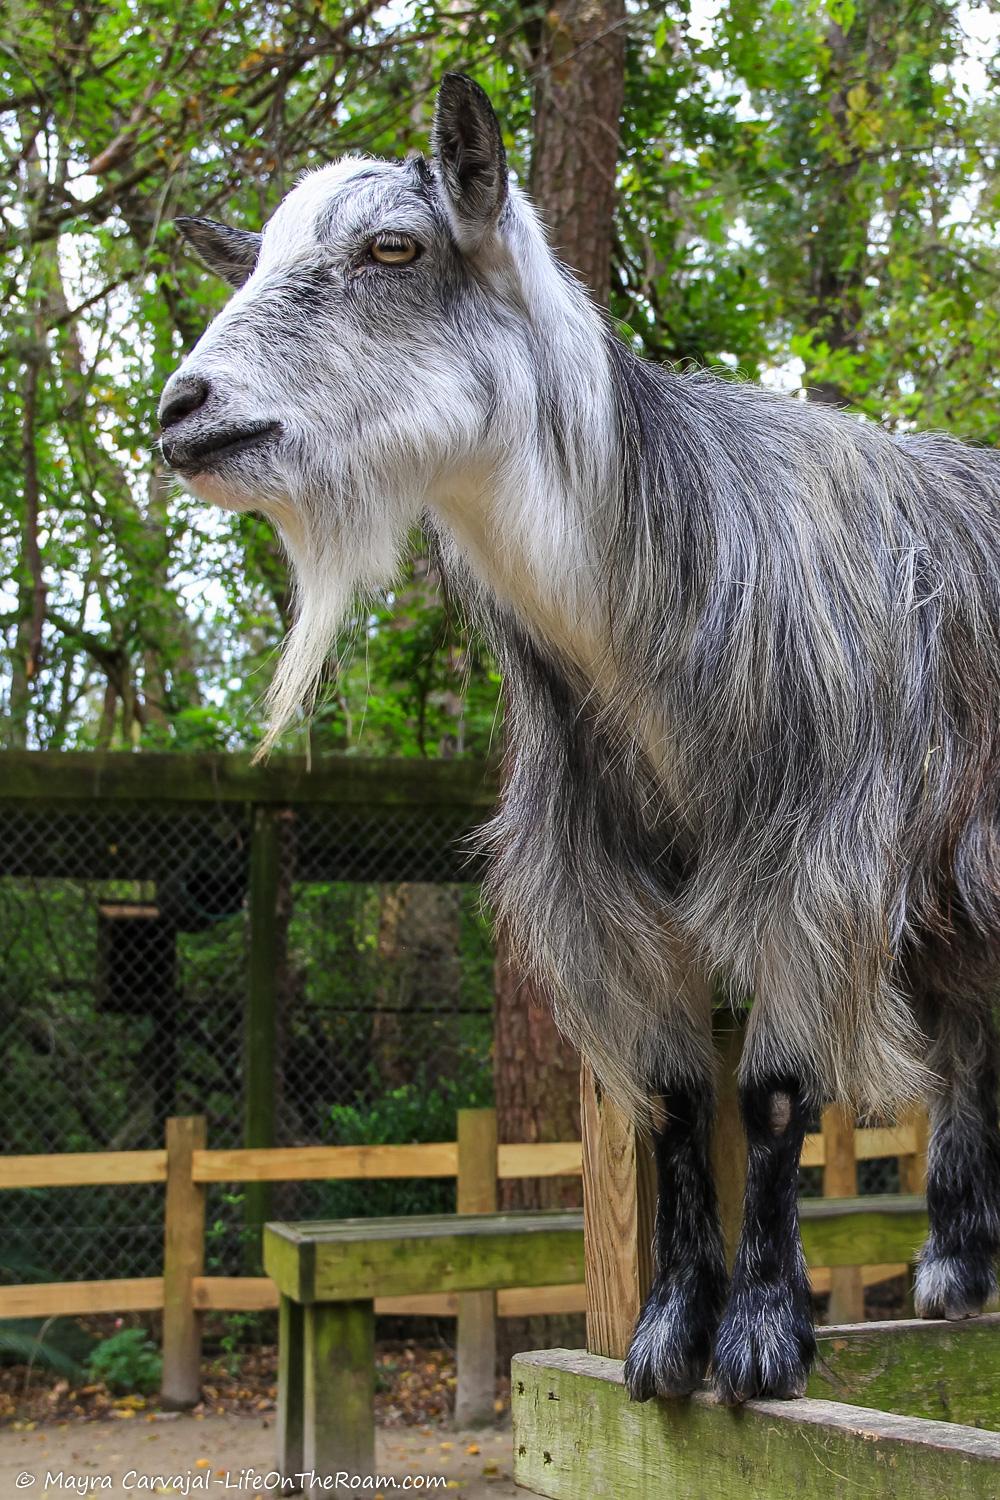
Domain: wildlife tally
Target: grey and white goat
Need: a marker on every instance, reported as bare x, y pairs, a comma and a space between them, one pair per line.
752, 662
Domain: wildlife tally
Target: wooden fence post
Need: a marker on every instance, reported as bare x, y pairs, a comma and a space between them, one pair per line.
913, 1179
840, 1180
913, 1169
729, 1147
183, 1260
619, 1199
261, 1025
477, 1311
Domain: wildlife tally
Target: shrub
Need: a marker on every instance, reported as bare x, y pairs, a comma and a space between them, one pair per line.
128, 1361
413, 1112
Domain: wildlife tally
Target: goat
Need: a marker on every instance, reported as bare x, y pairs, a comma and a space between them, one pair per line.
751, 653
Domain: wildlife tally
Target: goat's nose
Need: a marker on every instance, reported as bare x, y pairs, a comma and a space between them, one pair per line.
184, 395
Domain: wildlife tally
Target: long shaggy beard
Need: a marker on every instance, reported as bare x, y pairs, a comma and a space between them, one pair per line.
330, 571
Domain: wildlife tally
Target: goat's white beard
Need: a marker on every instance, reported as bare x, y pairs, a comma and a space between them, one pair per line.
329, 575
321, 609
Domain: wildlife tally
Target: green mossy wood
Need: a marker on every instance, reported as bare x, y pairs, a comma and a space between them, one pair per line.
367, 1258
947, 1372
329, 1275
369, 782
577, 1435
883, 1229
350, 1258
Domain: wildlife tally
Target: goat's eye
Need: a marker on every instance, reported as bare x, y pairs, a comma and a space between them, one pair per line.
393, 249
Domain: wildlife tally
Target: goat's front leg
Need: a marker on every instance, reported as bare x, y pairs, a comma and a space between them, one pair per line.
765, 1343
672, 1342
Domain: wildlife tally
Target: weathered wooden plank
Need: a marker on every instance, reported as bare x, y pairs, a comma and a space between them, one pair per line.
870, 1143
947, 1372
540, 1159
183, 1260
83, 1169
619, 1198
352, 1259
577, 1435
476, 1335
54, 1299
819, 1276
86, 777
450, 1262
234, 1293
862, 1231
309, 1163
259, 1294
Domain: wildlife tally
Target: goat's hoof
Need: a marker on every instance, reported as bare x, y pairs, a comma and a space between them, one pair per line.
672, 1342
953, 1286
764, 1348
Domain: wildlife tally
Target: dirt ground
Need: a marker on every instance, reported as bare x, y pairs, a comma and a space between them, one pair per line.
166, 1454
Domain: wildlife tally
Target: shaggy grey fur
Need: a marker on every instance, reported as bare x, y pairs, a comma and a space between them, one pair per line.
751, 651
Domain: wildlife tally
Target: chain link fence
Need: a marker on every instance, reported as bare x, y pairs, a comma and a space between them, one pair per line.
125, 950
126, 937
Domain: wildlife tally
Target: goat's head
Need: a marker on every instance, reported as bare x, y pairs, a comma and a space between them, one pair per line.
381, 349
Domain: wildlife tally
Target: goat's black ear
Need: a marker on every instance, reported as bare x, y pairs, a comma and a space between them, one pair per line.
472, 163
230, 253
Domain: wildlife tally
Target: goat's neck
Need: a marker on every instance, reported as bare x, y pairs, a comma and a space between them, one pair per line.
531, 520
534, 545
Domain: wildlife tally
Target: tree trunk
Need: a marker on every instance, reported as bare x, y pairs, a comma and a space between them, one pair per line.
580, 61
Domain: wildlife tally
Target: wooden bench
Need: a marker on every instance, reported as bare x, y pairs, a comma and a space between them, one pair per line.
328, 1276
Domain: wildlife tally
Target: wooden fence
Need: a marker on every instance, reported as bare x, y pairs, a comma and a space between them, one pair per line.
477, 1163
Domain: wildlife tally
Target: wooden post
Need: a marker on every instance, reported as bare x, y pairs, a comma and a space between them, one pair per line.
913, 1169
338, 1427
183, 1260
261, 1027
619, 1200
840, 1180
913, 1179
477, 1311
729, 1147
291, 1390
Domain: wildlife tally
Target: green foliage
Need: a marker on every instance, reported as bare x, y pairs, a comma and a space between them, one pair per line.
239, 1332
59, 1345
128, 1362
806, 191
413, 1112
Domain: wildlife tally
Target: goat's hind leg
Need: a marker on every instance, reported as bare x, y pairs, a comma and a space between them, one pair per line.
956, 1272
673, 1337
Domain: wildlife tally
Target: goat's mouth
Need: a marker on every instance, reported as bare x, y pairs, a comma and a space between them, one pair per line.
190, 456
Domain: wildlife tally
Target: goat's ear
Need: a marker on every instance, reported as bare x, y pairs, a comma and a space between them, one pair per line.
230, 253
472, 163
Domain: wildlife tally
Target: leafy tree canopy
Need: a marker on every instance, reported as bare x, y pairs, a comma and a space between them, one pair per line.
808, 193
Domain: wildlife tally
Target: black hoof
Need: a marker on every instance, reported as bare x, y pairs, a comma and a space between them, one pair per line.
765, 1346
953, 1286
672, 1342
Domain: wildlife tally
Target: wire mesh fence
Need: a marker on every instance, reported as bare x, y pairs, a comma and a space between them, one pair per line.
126, 932
127, 939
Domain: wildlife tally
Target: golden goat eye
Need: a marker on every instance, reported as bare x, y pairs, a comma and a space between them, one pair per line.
394, 250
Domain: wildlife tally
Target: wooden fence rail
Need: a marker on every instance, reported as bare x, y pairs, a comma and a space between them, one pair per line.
474, 1160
